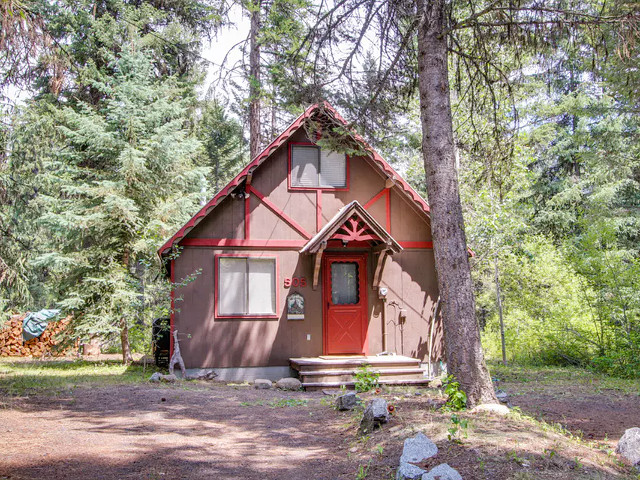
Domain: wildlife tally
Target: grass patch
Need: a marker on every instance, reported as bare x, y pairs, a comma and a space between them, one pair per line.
561, 376
23, 377
282, 403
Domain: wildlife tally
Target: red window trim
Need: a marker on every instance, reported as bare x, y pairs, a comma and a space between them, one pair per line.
311, 189
216, 282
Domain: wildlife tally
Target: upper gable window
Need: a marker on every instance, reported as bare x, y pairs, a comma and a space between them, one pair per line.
313, 167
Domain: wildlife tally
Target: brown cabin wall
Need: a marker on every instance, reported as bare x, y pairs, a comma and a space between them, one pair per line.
409, 275
209, 342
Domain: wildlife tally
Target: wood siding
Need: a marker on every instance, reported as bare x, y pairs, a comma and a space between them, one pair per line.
409, 275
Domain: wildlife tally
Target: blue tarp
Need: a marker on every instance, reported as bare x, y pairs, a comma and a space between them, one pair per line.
35, 322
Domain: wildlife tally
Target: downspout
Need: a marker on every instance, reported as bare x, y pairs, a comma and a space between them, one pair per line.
384, 325
433, 322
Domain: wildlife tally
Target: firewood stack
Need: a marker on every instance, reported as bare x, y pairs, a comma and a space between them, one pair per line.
12, 344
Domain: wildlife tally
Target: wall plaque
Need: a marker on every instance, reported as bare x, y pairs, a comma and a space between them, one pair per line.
295, 306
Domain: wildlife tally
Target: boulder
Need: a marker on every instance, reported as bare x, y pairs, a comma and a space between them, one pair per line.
262, 384
406, 471
155, 377
289, 383
171, 378
348, 401
502, 396
417, 449
374, 416
496, 408
435, 383
442, 472
629, 446
205, 374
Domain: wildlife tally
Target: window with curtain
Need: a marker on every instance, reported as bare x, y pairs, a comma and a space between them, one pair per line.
246, 286
312, 167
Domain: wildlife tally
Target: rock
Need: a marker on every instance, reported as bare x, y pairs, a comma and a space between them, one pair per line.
262, 384
442, 472
406, 471
502, 396
155, 377
491, 408
629, 446
289, 383
435, 383
375, 415
171, 378
207, 374
418, 449
334, 391
347, 401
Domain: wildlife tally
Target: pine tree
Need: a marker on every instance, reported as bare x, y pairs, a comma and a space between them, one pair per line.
123, 177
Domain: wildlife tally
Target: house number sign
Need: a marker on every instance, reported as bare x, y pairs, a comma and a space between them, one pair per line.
295, 282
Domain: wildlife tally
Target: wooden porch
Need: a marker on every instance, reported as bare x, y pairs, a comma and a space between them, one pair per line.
330, 371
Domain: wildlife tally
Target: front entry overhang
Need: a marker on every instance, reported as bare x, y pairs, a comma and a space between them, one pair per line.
352, 224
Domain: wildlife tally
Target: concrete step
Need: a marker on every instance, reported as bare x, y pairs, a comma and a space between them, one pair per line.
334, 371
381, 371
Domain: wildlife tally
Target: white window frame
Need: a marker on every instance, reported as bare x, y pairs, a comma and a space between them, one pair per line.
246, 313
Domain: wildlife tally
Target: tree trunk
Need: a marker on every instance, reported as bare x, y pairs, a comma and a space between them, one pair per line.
465, 359
499, 301
254, 81
124, 340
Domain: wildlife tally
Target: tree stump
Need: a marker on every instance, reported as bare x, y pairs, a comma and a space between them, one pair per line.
176, 357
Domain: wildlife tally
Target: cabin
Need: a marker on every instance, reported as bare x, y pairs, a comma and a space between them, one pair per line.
311, 262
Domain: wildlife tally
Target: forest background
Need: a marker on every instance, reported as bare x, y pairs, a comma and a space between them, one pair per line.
123, 135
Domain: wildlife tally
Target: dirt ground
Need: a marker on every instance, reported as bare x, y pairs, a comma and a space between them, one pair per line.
216, 430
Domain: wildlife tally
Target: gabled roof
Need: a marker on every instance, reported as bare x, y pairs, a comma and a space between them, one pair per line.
351, 223
325, 108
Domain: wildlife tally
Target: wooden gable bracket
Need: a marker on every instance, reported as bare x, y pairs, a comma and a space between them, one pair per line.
383, 251
389, 182
316, 266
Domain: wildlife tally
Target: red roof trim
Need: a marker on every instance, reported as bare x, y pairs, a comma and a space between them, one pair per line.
415, 196
297, 123
262, 156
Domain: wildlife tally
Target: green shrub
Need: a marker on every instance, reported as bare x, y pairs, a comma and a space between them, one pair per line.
366, 379
456, 398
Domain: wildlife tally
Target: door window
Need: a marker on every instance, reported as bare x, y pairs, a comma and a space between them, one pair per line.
344, 283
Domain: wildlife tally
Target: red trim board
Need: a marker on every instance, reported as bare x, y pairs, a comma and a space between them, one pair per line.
273, 146
238, 242
279, 212
173, 305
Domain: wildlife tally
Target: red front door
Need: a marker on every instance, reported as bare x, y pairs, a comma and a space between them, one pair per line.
345, 304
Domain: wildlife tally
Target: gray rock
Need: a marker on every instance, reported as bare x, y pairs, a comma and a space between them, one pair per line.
629, 446
347, 401
203, 374
332, 391
442, 472
155, 377
374, 416
406, 471
502, 396
496, 408
171, 378
289, 383
262, 384
418, 449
